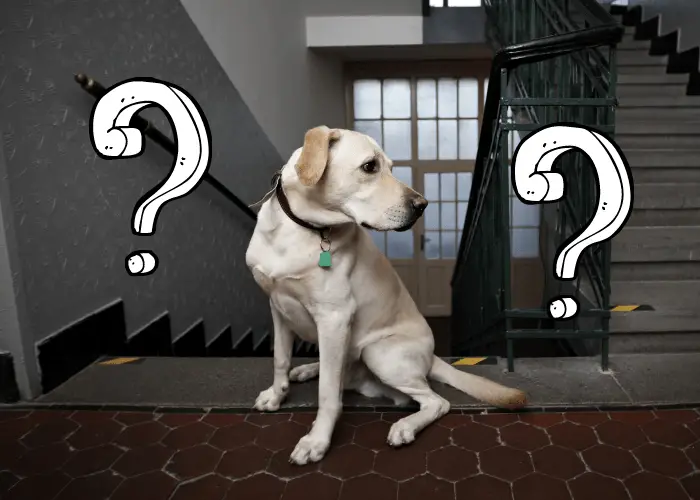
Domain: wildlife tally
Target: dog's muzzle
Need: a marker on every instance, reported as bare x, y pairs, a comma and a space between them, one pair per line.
418, 206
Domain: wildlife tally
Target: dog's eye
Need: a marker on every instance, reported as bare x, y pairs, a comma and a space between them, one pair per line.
370, 167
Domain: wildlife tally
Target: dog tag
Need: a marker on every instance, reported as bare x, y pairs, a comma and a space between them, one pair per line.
324, 259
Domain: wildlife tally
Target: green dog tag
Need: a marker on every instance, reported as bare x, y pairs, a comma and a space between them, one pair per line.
324, 260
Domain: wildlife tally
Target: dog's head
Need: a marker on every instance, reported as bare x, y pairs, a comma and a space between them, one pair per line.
346, 173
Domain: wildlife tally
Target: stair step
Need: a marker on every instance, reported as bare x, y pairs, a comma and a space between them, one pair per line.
654, 79
630, 30
663, 217
657, 113
675, 141
642, 69
661, 331
667, 196
660, 158
639, 58
662, 295
655, 271
648, 175
646, 128
657, 244
663, 90
632, 44
660, 102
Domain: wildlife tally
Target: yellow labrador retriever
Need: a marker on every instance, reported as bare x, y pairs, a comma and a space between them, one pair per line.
329, 284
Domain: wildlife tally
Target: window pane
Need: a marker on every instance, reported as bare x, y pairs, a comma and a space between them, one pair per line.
523, 214
461, 213
427, 139
437, 3
447, 98
448, 216
431, 216
403, 174
468, 98
431, 187
367, 99
468, 139
447, 187
371, 128
524, 243
463, 3
449, 249
378, 238
396, 97
447, 139
426, 98
399, 245
397, 139
432, 245
464, 185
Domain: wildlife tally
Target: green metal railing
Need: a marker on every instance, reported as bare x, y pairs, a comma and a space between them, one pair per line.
556, 64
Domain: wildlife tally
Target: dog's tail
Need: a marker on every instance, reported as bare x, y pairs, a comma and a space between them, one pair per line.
478, 387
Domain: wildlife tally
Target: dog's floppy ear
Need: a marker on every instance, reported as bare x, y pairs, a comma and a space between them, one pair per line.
314, 155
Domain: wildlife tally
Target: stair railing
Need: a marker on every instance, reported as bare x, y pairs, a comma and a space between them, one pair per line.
556, 64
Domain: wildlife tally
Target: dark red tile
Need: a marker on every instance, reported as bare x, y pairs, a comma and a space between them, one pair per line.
693, 453
538, 486
358, 419
265, 419
452, 463
650, 486
10, 453
401, 463
431, 438
394, 416
6, 415
263, 486
668, 432
49, 432
155, 485
616, 433
188, 435
692, 485
140, 435
280, 436
590, 419
482, 486
633, 417
174, 420
13, 430
454, 420
678, 416
343, 434
40, 487
347, 461
475, 437
223, 419
85, 417
505, 463
373, 435
134, 417
194, 462
7, 481
315, 484
43, 416
304, 418
496, 419
664, 460
610, 461
281, 467
369, 487
426, 487
592, 486
43, 460
543, 420
210, 487
244, 461
94, 434
92, 460
233, 436
524, 437
98, 486
576, 437
140, 460
559, 462
695, 428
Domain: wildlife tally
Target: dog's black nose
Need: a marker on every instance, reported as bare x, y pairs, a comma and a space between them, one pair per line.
419, 204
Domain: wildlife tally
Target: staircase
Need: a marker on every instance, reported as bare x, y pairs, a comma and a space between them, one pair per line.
656, 257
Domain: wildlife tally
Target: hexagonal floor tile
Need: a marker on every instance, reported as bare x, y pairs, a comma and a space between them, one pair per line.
426, 487
663, 460
233, 436
620, 434
314, 485
195, 462
150, 486
244, 461
475, 437
505, 463
258, 486
649, 486
280, 436
210, 487
555, 461
543, 420
591, 419
524, 437
94, 434
610, 461
50, 432
538, 486
195, 433
141, 460
98, 486
92, 460
400, 464
373, 435
576, 437
669, 433
482, 486
593, 486
142, 434
369, 487
453, 463
42, 486
347, 461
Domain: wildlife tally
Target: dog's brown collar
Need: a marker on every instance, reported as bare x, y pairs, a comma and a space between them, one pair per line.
284, 204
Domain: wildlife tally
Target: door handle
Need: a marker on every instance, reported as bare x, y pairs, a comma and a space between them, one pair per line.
423, 241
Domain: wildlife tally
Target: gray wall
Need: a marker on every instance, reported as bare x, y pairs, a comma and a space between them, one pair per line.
675, 14
71, 210
455, 25
363, 7
261, 44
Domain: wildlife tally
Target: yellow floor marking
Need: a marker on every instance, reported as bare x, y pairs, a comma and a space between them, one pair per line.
468, 361
119, 361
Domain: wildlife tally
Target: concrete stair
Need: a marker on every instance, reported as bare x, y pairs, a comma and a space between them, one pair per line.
656, 257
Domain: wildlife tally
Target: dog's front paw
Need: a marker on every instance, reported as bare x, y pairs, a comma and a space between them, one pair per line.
309, 449
269, 400
400, 434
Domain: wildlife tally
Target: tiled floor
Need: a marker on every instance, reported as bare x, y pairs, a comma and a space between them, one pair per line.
84, 455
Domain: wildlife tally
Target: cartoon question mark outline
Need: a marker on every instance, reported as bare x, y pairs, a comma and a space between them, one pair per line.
112, 138
534, 183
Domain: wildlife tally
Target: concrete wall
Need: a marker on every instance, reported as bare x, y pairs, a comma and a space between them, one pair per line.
675, 14
70, 211
363, 7
262, 47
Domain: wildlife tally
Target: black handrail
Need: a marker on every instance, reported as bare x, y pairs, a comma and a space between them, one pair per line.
513, 56
97, 90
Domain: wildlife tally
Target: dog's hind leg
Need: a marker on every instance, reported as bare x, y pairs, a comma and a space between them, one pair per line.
305, 372
270, 399
403, 365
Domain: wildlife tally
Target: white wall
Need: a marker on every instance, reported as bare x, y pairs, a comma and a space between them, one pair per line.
363, 7
261, 44
354, 31
675, 14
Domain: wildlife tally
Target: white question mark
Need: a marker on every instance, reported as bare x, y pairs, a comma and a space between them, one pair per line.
534, 182
113, 137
